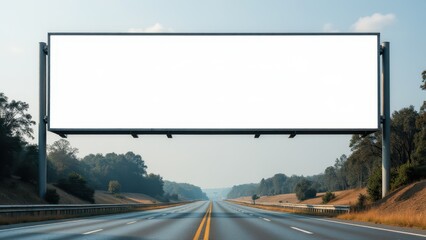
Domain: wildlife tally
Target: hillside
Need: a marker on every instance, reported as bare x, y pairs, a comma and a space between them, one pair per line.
347, 197
405, 206
411, 198
14, 191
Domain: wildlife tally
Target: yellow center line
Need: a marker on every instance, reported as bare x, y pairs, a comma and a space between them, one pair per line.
200, 228
207, 230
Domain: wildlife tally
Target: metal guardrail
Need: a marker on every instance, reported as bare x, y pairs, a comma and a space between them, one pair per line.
315, 208
71, 209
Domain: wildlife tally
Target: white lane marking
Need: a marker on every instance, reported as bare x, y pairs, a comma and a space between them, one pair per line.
250, 214
164, 214
150, 218
301, 230
41, 225
94, 231
268, 220
375, 228
130, 222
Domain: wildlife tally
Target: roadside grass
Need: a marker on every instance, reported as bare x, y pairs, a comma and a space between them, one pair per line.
411, 219
6, 220
406, 219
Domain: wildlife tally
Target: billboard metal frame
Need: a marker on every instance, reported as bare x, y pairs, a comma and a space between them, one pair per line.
383, 116
207, 131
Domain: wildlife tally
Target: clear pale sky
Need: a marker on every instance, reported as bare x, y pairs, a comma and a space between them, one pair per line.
214, 161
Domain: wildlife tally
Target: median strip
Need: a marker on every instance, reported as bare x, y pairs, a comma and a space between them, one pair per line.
206, 218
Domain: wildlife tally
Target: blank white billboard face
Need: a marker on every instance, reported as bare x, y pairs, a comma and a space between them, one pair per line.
177, 82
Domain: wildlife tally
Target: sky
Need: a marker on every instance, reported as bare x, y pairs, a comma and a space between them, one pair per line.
214, 161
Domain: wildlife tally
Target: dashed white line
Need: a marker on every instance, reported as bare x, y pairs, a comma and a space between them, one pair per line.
130, 222
150, 218
265, 219
301, 230
94, 231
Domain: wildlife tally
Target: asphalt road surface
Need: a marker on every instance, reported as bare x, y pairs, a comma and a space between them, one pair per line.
205, 220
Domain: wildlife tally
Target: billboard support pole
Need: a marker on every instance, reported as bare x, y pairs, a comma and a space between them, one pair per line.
385, 118
42, 165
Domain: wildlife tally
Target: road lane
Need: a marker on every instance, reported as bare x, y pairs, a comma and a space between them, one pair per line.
205, 220
325, 228
171, 223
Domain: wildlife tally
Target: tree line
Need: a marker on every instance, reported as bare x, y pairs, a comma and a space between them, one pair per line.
362, 168
98, 170
78, 176
183, 191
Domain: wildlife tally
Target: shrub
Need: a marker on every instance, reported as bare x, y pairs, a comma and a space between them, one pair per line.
362, 200
75, 184
254, 198
404, 176
52, 196
328, 196
374, 184
304, 190
114, 186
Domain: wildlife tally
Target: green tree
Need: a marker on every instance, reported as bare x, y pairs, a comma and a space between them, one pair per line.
62, 157
419, 155
76, 185
374, 185
327, 197
184, 191
304, 190
27, 166
243, 190
129, 169
15, 125
330, 178
114, 186
341, 172
254, 197
403, 130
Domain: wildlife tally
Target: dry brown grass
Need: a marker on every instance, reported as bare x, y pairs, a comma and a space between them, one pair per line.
346, 197
404, 207
108, 198
405, 219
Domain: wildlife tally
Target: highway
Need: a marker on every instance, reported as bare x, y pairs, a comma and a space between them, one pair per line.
205, 220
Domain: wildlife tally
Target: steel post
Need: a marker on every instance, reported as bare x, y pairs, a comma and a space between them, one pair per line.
42, 166
386, 120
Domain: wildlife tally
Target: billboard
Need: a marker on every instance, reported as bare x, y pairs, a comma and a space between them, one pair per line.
213, 83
